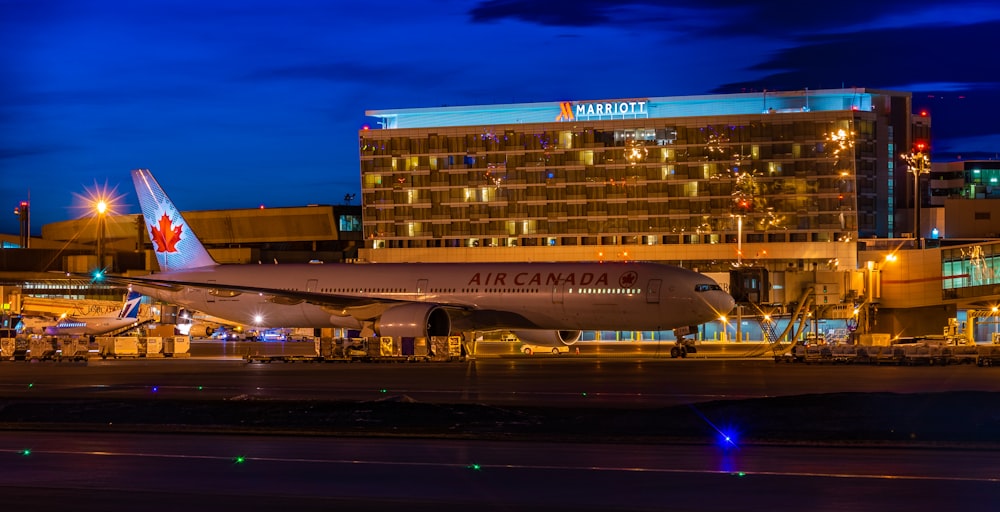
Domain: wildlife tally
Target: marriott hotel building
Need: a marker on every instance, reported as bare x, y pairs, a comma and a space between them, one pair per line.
777, 179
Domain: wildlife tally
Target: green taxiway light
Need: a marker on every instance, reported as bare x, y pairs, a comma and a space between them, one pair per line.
26, 452
475, 467
239, 459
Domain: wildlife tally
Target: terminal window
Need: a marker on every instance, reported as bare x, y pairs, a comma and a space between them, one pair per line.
349, 223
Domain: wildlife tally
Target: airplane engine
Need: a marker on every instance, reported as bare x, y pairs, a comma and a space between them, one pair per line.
548, 338
201, 331
195, 331
414, 320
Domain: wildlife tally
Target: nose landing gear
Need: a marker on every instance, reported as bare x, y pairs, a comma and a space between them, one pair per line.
682, 348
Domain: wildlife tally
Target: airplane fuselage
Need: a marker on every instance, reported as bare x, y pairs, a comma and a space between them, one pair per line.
571, 296
90, 326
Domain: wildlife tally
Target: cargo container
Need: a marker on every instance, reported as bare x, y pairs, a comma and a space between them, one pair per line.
118, 346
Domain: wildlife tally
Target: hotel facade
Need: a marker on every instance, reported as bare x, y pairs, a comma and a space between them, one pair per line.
775, 179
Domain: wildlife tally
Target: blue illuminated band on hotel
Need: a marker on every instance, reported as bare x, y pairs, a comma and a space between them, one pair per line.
632, 108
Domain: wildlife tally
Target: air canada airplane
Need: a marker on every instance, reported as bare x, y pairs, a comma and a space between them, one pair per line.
91, 325
542, 303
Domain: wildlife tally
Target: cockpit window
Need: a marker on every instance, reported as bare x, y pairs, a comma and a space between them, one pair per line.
706, 287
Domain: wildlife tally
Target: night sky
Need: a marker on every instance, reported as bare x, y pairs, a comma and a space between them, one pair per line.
244, 103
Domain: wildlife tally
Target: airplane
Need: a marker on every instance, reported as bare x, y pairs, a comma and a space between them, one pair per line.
541, 303
89, 325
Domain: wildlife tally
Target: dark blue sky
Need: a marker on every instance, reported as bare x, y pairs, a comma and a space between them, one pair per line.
242, 103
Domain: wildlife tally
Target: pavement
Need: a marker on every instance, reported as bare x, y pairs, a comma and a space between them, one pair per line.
612, 349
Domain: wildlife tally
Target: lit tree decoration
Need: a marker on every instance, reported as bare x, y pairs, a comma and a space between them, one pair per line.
366, 145
744, 191
716, 145
543, 140
490, 134
635, 151
840, 141
718, 148
743, 194
770, 220
496, 175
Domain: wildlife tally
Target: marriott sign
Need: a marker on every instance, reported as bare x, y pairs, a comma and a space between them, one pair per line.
568, 111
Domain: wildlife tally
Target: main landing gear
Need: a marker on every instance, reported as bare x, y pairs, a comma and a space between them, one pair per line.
682, 348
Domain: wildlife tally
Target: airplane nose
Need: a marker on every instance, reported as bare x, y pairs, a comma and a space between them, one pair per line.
720, 303
724, 303
715, 304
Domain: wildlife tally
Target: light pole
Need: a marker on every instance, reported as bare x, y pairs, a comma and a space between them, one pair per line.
101, 207
24, 217
917, 163
98, 203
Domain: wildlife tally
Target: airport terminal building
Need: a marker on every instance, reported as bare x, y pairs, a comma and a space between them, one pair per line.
776, 179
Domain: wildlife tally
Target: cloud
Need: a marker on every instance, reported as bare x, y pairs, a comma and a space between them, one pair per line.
943, 66
882, 57
773, 18
558, 13
15, 153
958, 87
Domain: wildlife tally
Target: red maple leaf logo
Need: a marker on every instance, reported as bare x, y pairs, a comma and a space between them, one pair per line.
166, 237
628, 279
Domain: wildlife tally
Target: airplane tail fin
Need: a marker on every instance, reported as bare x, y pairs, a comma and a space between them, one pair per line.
131, 307
176, 246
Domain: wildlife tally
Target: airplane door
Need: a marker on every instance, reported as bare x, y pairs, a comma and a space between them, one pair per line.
209, 298
653, 291
421, 287
311, 285
557, 293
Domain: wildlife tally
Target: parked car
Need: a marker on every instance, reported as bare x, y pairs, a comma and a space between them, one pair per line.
530, 349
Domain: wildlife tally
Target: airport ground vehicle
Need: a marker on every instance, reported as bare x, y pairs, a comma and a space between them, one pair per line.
531, 349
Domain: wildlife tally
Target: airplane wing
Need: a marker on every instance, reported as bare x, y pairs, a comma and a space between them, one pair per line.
343, 304
463, 316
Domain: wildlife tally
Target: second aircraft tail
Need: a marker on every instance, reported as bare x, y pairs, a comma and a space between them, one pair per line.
175, 245
131, 307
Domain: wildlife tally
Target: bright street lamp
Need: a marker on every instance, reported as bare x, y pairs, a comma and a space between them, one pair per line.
917, 163
99, 202
101, 207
